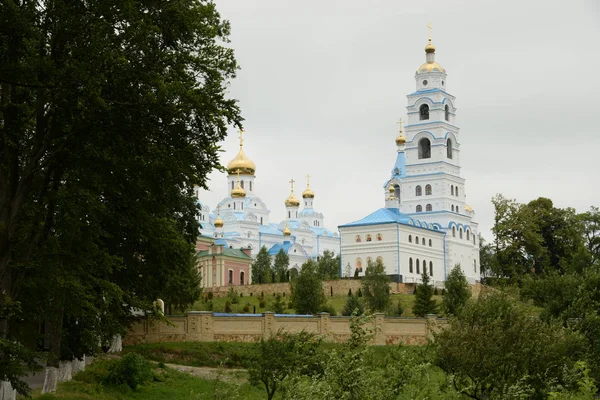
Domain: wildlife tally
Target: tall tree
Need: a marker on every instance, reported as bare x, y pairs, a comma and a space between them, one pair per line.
116, 112
280, 266
261, 267
457, 291
424, 301
591, 230
376, 287
328, 266
307, 290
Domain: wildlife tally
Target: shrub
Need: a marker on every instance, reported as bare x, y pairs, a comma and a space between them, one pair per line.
436, 291
132, 370
399, 310
328, 308
210, 295
262, 303
246, 308
290, 305
233, 295
350, 292
359, 293
278, 305
209, 305
351, 305
227, 307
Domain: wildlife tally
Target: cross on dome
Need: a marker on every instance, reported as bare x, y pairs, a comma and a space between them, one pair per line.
308, 193
292, 201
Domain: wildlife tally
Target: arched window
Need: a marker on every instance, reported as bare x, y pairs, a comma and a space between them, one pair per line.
397, 192
418, 269
379, 260
428, 207
473, 239
429, 242
456, 191
449, 148
250, 185
416, 239
418, 191
409, 238
453, 231
358, 239
474, 266
424, 112
423, 241
447, 109
419, 208
242, 275
369, 238
452, 207
230, 276
430, 268
242, 183
427, 190
410, 265
468, 234
232, 185
460, 233
424, 148
379, 237
452, 190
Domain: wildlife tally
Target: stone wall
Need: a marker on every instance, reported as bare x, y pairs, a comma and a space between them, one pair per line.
206, 326
337, 287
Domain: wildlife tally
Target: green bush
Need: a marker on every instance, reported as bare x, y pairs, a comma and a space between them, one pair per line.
228, 307
131, 370
246, 308
262, 303
290, 305
328, 308
210, 295
359, 293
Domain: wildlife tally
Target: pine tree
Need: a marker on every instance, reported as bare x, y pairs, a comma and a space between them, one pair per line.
261, 267
282, 262
424, 302
457, 291
376, 287
307, 290
353, 304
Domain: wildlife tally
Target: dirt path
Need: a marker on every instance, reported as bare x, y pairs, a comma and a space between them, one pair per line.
231, 375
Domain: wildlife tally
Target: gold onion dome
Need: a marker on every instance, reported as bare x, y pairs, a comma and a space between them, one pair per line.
468, 208
292, 201
286, 231
238, 192
241, 164
430, 48
218, 222
400, 139
308, 193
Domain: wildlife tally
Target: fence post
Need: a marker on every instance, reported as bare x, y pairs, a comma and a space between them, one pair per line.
379, 327
269, 324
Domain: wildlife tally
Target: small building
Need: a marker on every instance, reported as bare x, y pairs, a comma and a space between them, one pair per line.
220, 264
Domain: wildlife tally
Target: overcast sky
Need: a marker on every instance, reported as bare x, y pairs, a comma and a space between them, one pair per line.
322, 84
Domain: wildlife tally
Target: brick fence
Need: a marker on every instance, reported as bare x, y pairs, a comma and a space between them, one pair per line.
206, 326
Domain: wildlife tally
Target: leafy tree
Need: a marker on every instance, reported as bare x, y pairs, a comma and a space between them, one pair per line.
328, 266
424, 302
282, 263
110, 116
591, 232
457, 293
519, 349
281, 355
278, 305
261, 267
353, 305
376, 287
307, 290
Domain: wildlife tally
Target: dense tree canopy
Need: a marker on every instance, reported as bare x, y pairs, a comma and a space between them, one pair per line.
376, 287
307, 290
110, 113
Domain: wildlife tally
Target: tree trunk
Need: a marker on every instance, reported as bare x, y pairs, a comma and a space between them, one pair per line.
50, 380
116, 345
6, 391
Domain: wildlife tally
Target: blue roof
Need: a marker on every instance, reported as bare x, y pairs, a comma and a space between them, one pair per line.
308, 212
321, 231
221, 242
390, 216
270, 229
285, 246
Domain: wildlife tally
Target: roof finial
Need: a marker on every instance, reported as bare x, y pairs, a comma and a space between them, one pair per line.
292, 183
430, 30
400, 125
242, 137
307, 181
430, 48
400, 139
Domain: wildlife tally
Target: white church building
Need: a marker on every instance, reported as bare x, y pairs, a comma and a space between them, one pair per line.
426, 222
243, 220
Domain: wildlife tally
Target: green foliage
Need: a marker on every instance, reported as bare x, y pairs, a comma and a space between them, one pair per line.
356, 276
328, 266
457, 293
399, 309
424, 302
359, 293
281, 355
353, 306
328, 308
591, 233
262, 304
307, 290
519, 350
131, 370
233, 296
280, 267
376, 287
278, 305
246, 308
261, 267
350, 292
228, 307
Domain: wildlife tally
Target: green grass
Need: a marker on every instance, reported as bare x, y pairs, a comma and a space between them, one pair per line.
337, 302
171, 385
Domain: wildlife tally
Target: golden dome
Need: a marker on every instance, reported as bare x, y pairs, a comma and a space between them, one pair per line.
241, 164
238, 192
400, 139
468, 208
286, 231
431, 67
430, 48
218, 222
308, 193
391, 189
292, 201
